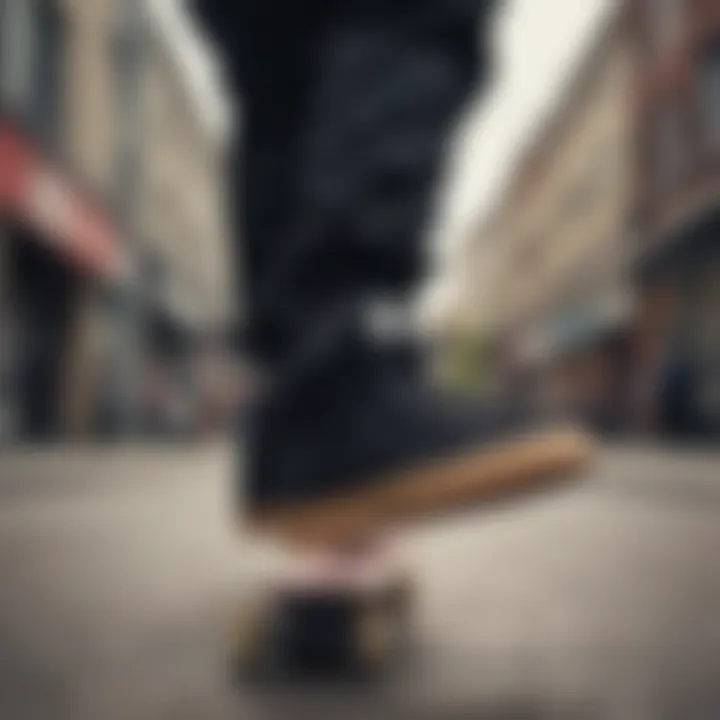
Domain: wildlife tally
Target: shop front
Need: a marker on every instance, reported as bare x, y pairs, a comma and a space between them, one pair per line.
174, 343
526, 385
679, 336
590, 359
56, 246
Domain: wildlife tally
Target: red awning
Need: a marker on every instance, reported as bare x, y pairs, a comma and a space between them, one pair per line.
35, 191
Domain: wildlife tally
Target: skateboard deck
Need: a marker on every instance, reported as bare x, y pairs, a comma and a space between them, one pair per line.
355, 625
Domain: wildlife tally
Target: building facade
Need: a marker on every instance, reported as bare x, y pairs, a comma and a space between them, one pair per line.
677, 212
58, 238
564, 298
64, 260
182, 226
91, 130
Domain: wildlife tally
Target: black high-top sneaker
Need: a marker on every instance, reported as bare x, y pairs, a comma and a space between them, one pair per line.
362, 443
347, 107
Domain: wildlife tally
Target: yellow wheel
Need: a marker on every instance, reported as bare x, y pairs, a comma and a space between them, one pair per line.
383, 625
250, 638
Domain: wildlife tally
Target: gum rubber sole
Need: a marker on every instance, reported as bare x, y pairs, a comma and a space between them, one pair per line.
492, 472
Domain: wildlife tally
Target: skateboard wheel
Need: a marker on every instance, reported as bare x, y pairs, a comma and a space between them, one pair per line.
384, 625
376, 639
251, 651
288, 633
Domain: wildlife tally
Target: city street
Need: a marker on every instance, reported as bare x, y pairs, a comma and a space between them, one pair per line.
121, 571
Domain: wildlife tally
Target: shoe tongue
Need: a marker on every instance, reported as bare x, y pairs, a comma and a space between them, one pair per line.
390, 333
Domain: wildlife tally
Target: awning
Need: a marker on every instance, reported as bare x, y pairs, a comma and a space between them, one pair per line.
37, 193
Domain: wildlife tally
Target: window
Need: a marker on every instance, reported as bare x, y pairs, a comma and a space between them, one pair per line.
710, 83
669, 149
665, 19
3, 42
47, 119
15, 44
30, 53
580, 195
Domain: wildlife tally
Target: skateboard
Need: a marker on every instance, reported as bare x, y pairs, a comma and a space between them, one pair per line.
354, 624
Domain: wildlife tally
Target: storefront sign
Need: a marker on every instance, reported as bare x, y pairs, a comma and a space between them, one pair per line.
36, 193
580, 326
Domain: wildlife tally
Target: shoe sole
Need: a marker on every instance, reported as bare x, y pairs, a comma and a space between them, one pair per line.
490, 473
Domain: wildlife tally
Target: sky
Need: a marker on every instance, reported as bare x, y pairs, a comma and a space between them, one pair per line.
538, 44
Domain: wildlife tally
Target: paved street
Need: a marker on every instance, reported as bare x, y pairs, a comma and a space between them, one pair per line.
120, 574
